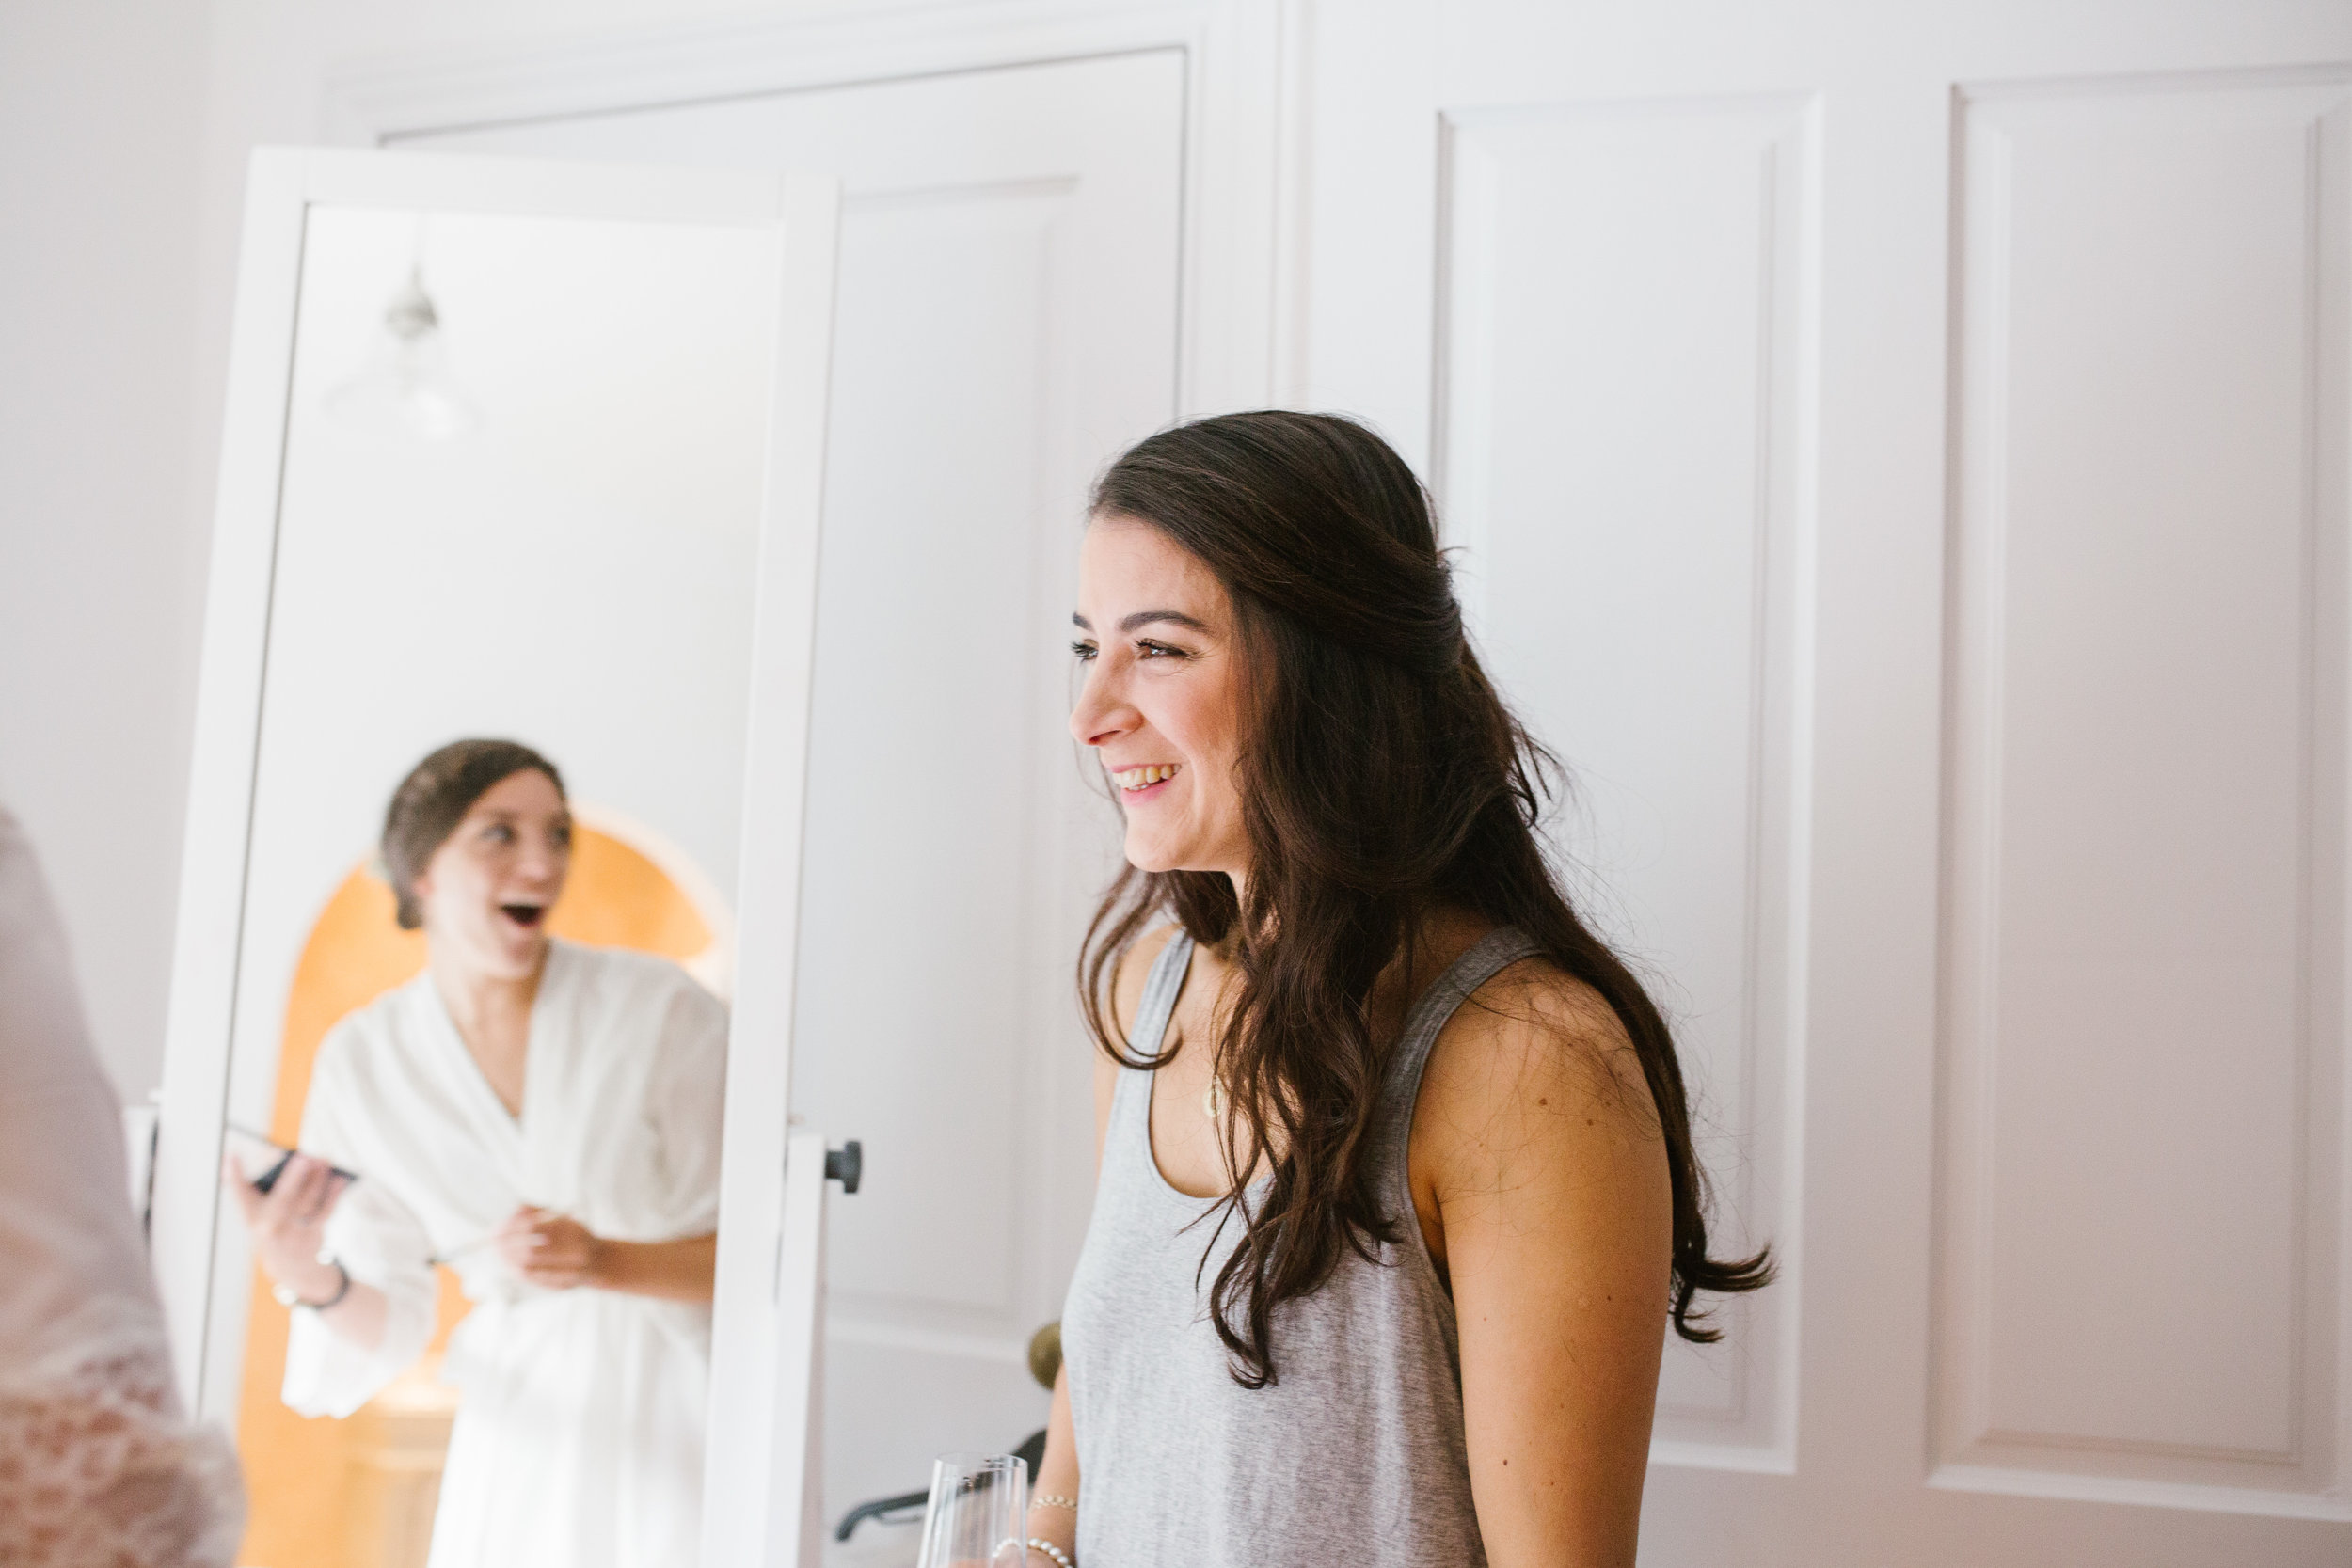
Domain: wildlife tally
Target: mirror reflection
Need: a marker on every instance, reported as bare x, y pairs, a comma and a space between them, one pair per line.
478, 1076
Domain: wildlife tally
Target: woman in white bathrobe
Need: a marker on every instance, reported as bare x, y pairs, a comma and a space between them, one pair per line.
543, 1117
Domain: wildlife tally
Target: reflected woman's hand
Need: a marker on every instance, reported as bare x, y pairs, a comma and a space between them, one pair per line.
551, 1250
288, 1222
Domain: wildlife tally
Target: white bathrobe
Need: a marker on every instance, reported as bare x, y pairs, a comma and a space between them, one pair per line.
578, 1437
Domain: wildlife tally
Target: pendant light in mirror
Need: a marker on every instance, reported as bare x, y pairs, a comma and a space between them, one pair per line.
407, 389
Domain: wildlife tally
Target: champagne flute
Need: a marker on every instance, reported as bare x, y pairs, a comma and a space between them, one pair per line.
978, 1515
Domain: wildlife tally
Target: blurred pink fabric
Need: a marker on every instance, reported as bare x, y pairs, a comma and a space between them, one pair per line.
97, 1464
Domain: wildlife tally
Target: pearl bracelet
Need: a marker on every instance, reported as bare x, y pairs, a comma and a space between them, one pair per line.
1051, 1550
1047, 1500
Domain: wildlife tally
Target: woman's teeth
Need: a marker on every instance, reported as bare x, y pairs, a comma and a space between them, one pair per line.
1136, 778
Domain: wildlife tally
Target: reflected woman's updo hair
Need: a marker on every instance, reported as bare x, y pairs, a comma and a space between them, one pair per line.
1382, 778
434, 798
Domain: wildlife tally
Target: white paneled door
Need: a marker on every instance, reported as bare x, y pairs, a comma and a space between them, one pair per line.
1901, 454
1008, 322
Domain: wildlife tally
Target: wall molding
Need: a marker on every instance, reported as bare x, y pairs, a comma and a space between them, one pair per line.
1244, 138
1767, 147
1978, 1451
2137, 1493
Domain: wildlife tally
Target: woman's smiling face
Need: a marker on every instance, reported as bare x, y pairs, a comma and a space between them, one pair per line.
1162, 699
487, 889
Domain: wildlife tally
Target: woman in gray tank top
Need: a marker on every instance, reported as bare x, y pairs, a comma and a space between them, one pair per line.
1396, 1198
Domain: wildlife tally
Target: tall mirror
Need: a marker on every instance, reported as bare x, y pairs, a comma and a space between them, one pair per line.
448, 1121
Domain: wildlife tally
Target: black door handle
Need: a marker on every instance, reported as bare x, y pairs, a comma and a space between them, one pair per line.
846, 1165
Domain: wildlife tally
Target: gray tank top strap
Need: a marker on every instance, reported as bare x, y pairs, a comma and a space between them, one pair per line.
1401, 1083
1160, 989
1131, 1095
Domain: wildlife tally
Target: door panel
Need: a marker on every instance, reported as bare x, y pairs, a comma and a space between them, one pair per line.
2146, 1009
1626, 457
1901, 454
1008, 322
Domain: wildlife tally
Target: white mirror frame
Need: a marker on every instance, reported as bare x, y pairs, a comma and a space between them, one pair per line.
759, 1484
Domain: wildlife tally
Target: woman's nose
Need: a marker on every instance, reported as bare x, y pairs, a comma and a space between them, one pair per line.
1099, 716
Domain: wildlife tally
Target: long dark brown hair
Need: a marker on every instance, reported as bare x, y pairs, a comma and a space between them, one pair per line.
1383, 778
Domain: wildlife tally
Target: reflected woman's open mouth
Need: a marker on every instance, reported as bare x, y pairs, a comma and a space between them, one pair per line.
527, 915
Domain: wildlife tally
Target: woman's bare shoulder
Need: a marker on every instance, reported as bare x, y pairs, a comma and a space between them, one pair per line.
1533, 1054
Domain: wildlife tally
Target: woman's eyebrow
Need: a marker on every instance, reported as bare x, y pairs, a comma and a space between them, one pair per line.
1144, 618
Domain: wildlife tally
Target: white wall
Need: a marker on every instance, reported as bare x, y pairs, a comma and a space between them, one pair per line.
100, 109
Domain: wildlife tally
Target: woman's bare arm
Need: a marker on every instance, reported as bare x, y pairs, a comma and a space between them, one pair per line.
683, 1269
1057, 1478
288, 1224
561, 1254
1057, 1472
1536, 1139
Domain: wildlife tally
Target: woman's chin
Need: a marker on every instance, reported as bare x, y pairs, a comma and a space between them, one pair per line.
1152, 858
1158, 856
514, 954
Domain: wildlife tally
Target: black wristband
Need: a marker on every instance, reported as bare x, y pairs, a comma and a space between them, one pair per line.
342, 1289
